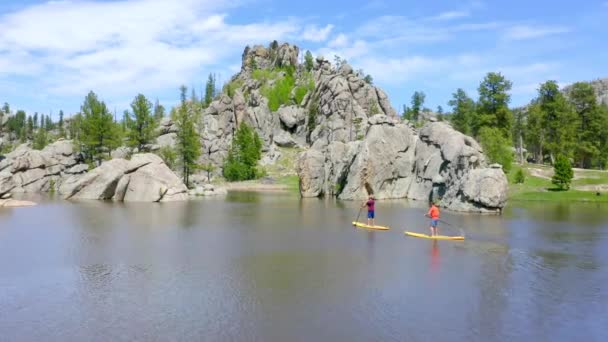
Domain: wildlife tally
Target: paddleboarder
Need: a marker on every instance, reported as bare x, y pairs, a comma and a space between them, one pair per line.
434, 215
371, 203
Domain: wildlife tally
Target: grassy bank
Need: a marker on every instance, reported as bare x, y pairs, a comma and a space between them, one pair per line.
538, 187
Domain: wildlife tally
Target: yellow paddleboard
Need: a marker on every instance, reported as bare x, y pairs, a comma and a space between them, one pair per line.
436, 237
362, 225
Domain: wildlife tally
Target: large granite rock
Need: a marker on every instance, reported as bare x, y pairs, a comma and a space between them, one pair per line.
394, 161
98, 184
144, 178
38, 170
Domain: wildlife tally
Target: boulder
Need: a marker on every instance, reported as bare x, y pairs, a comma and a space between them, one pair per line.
284, 139
77, 169
290, 116
99, 183
6, 182
167, 140
150, 180
122, 152
394, 161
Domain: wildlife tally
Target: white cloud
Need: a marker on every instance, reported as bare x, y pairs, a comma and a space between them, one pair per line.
451, 15
339, 41
315, 34
521, 32
123, 47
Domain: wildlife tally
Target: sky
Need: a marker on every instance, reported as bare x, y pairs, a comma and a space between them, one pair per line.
52, 53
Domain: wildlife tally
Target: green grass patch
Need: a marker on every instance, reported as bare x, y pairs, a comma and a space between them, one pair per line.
304, 89
541, 189
230, 88
557, 196
279, 93
292, 182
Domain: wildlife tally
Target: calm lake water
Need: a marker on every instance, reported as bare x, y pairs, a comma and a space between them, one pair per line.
272, 267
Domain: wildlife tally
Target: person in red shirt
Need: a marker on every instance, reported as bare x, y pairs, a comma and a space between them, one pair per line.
371, 210
434, 215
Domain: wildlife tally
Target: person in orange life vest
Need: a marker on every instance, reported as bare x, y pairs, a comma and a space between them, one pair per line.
434, 215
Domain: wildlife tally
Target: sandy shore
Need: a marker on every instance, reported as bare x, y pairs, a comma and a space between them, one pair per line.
254, 186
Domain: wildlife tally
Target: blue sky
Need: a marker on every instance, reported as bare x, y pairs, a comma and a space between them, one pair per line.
53, 52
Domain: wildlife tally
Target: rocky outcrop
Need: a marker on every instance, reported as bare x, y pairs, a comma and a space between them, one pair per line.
600, 86
12, 203
31, 171
395, 161
144, 178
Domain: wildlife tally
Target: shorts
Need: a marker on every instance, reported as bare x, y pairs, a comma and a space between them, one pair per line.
370, 214
434, 223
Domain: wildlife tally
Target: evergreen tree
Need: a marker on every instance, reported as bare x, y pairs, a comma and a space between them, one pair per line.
563, 173
439, 110
142, 127
30, 127
41, 139
534, 129
590, 124
417, 104
35, 122
463, 111
244, 154
17, 125
209, 90
60, 124
188, 144
308, 61
159, 111
48, 123
493, 105
99, 133
496, 147
76, 129
558, 120
6, 109
518, 132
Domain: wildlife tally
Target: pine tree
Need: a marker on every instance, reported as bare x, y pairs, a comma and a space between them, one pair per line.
41, 139
244, 154
159, 111
417, 104
493, 105
30, 127
209, 90
35, 122
558, 120
188, 144
463, 110
534, 131
308, 61
99, 133
563, 173
48, 123
496, 147
60, 124
590, 124
142, 127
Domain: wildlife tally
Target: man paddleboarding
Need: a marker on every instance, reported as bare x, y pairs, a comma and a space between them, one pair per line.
434, 215
371, 212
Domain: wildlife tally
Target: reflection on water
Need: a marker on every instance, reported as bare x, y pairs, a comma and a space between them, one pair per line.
272, 267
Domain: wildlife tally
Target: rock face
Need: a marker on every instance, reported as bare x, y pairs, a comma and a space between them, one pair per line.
394, 161
28, 170
601, 90
144, 178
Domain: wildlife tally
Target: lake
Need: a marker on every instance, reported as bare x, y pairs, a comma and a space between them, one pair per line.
273, 267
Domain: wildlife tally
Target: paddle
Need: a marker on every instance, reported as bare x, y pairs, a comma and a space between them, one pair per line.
359, 214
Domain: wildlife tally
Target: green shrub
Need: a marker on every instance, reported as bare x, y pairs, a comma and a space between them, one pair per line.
168, 155
230, 88
520, 176
496, 147
246, 151
280, 93
563, 173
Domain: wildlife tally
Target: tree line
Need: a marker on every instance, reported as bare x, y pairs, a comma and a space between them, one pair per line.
570, 126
